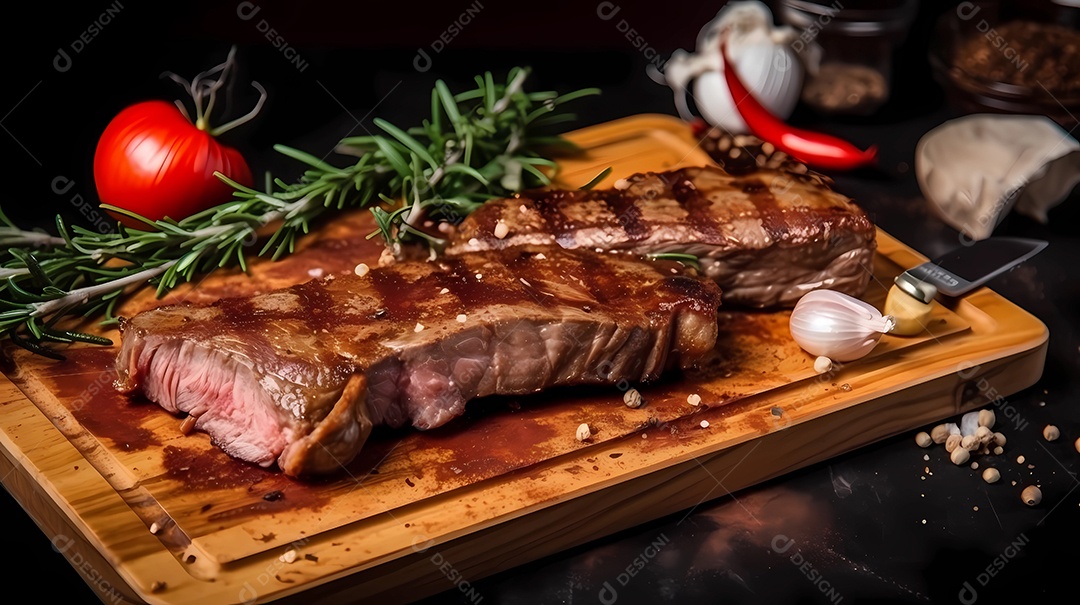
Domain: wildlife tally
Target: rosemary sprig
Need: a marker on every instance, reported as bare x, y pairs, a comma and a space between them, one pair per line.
479, 144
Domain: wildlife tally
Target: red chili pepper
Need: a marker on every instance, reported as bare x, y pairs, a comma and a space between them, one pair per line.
812, 148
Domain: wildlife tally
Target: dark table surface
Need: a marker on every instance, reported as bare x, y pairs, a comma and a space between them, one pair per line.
869, 525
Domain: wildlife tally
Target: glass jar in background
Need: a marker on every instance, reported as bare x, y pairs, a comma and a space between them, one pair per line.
1010, 57
858, 40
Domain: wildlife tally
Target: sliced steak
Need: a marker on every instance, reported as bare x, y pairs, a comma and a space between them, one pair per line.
766, 237
299, 376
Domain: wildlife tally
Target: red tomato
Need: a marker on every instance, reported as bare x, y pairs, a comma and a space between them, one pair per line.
152, 161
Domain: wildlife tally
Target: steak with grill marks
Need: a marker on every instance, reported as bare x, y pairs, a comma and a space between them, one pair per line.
299, 376
766, 237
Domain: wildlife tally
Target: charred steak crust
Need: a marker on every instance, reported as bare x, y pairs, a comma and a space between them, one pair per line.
299, 376
766, 237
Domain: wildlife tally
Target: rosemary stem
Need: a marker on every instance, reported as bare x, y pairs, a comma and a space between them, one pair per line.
82, 295
20, 237
513, 88
436, 176
6, 273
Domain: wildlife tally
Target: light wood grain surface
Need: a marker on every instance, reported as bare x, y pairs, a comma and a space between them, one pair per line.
507, 484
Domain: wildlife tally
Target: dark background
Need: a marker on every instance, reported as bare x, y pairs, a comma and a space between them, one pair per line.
355, 53
359, 57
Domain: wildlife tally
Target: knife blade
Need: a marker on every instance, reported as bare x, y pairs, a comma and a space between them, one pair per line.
953, 274
968, 267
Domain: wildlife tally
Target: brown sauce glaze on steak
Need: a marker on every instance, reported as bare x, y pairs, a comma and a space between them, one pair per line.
766, 237
299, 376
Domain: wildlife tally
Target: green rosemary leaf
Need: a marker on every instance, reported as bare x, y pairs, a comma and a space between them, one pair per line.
407, 141
541, 178
571, 96
469, 171
125, 212
449, 105
596, 179
306, 158
686, 259
393, 156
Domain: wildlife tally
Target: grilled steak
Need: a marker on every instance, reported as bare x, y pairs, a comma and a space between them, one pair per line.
299, 376
767, 237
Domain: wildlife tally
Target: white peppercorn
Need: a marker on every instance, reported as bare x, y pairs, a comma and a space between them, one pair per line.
953, 443
1051, 433
1031, 495
940, 433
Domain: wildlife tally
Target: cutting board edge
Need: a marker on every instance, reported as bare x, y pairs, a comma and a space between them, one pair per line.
936, 401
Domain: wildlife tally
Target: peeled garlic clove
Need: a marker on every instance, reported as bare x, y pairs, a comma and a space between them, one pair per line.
968, 423
838, 326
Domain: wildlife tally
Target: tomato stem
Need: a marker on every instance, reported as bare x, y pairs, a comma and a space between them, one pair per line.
203, 89
246, 117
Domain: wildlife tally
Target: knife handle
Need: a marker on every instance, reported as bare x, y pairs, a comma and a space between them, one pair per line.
910, 303
932, 275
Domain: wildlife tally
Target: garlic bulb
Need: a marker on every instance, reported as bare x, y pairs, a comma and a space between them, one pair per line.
834, 325
763, 55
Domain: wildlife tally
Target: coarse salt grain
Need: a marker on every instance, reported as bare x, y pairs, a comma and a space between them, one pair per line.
822, 364
419, 327
479, 276
461, 318
540, 256
444, 290
704, 424
362, 269
317, 272
583, 432
289, 556
501, 230
694, 399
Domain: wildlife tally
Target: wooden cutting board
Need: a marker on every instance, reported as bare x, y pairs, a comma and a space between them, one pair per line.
148, 514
